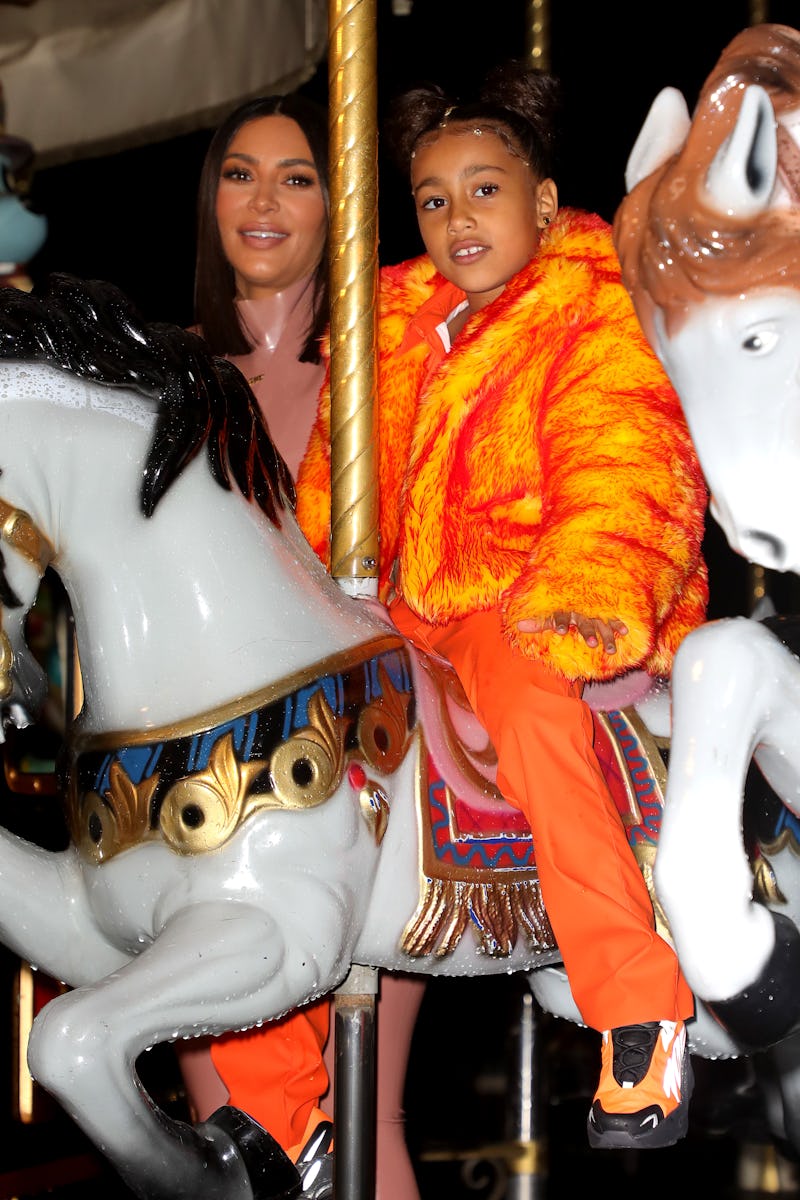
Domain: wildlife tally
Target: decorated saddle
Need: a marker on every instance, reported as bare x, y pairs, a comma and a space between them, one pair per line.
193, 784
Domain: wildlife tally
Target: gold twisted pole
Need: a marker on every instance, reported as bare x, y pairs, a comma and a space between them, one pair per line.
352, 104
352, 83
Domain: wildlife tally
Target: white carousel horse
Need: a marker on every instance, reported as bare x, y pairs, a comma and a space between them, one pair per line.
708, 239
263, 784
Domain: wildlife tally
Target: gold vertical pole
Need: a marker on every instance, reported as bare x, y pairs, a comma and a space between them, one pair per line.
759, 11
353, 109
538, 33
352, 83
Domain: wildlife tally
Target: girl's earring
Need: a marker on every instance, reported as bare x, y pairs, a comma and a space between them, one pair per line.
545, 220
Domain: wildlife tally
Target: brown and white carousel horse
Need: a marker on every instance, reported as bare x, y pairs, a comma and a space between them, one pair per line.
709, 240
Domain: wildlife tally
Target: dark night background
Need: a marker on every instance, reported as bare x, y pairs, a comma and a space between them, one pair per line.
129, 218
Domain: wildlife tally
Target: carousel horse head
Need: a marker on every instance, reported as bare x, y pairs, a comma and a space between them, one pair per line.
708, 240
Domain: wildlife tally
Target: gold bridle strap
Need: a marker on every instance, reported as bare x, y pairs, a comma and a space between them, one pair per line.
17, 528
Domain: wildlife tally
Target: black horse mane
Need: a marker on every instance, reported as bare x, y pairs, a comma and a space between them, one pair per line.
90, 328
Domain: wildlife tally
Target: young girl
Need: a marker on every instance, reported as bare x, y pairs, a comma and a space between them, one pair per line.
541, 520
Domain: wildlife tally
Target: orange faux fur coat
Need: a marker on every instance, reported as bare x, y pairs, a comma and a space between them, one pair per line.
544, 466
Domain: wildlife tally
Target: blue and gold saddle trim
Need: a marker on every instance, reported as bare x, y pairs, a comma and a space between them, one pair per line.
194, 788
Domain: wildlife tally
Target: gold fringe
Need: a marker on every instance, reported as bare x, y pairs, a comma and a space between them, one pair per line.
498, 913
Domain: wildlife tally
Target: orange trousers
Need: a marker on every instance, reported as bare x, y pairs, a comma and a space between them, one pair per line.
621, 971
277, 1073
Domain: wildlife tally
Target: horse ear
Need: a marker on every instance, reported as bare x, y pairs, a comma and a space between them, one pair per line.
742, 174
662, 135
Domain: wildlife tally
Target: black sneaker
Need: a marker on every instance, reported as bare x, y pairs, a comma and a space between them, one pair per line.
273, 1176
315, 1164
646, 1079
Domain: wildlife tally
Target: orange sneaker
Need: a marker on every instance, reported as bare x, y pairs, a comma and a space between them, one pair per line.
646, 1081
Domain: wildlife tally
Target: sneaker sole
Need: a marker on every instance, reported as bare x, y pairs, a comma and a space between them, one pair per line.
666, 1133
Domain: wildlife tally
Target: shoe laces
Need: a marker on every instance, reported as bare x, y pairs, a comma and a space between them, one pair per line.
633, 1049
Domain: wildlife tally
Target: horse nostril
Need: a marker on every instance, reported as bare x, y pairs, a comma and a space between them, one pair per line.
758, 546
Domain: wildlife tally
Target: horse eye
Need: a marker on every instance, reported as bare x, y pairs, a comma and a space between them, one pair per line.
760, 343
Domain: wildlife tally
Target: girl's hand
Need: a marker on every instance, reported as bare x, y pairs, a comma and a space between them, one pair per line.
593, 630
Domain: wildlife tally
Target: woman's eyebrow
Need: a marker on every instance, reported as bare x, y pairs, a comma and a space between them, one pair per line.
282, 162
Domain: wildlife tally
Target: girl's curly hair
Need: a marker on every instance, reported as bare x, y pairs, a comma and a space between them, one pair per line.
517, 102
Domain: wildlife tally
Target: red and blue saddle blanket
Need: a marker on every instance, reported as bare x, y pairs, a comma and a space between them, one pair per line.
478, 858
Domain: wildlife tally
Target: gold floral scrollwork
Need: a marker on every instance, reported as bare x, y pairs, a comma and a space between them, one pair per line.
201, 811
383, 727
116, 820
307, 768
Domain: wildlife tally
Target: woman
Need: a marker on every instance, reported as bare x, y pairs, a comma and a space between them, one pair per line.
542, 512
261, 280
261, 300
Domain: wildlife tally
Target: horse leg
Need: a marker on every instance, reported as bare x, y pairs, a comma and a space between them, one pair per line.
214, 966
736, 693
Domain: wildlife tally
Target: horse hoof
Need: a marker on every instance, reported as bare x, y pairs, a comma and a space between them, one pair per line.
273, 1176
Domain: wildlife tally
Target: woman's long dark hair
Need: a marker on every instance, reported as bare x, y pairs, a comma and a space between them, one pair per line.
215, 287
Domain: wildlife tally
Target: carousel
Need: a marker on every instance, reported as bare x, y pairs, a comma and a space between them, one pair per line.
296, 778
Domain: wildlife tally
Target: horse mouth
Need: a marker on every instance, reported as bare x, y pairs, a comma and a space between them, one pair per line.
764, 548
